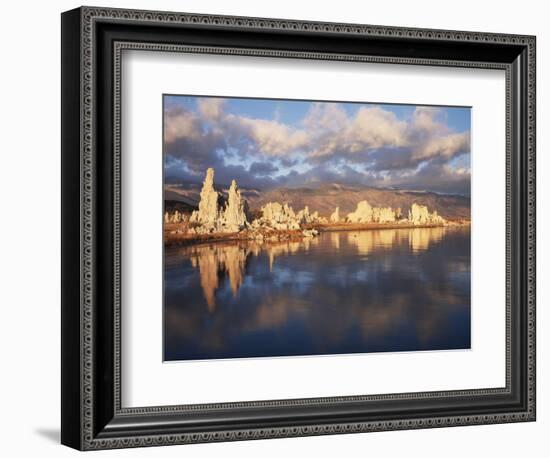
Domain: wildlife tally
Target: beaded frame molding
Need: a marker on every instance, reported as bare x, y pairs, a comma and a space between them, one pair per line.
93, 40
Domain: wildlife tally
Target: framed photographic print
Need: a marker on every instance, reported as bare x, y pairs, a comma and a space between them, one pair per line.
278, 228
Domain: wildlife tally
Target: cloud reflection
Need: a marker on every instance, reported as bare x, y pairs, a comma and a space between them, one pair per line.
343, 292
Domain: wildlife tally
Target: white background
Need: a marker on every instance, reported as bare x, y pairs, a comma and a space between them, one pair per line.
30, 243
148, 75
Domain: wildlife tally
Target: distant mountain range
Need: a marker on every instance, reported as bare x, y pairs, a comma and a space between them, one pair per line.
324, 198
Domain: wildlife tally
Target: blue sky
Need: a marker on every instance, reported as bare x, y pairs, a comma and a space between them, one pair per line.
266, 143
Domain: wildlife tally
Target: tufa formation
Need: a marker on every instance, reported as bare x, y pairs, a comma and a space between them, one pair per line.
219, 214
213, 216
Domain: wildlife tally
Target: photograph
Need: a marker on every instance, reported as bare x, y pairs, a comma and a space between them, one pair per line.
310, 227
279, 222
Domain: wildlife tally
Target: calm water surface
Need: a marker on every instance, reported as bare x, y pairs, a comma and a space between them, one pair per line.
341, 292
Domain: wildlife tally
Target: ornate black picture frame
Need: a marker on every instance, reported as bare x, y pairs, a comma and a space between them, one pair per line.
92, 42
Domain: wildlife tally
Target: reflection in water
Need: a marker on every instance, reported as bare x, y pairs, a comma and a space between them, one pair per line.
421, 238
368, 241
342, 292
335, 240
213, 259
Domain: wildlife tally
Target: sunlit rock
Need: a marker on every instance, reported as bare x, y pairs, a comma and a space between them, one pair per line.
420, 215
209, 205
367, 214
437, 219
316, 218
279, 216
282, 217
335, 217
384, 215
303, 216
234, 217
310, 232
176, 217
306, 217
212, 216
363, 213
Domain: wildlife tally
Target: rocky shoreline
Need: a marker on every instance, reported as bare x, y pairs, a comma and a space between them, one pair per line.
178, 234
220, 218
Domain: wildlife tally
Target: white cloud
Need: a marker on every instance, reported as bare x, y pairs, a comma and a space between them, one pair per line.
397, 150
271, 138
325, 117
375, 128
211, 108
446, 146
424, 119
180, 124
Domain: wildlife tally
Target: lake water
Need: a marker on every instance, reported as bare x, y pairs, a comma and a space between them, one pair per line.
341, 292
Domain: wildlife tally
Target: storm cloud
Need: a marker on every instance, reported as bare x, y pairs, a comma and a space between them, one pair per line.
367, 144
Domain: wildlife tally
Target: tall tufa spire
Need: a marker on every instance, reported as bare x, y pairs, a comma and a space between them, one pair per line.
235, 215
